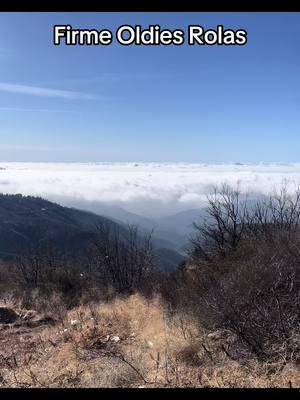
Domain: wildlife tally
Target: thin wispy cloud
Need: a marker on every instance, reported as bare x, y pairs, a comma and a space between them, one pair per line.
45, 92
115, 77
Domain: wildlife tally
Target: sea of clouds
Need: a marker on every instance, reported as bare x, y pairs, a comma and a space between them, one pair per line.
150, 189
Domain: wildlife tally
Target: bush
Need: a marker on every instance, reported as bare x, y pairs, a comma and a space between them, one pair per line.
244, 272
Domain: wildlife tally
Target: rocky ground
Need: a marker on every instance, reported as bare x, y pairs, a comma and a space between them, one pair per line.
126, 343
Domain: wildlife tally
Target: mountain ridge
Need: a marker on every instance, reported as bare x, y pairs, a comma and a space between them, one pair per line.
27, 219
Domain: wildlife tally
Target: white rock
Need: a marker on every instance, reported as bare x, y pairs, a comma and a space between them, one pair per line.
115, 339
106, 339
216, 335
74, 322
150, 344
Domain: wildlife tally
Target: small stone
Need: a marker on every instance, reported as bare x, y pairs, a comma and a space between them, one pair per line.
216, 335
106, 339
150, 344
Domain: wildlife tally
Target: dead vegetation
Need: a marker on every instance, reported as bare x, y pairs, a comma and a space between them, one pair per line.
229, 317
129, 342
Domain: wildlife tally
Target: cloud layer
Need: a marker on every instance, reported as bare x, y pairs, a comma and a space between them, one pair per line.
148, 188
44, 92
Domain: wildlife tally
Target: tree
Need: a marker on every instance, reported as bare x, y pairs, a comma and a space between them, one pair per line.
124, 258
223, 229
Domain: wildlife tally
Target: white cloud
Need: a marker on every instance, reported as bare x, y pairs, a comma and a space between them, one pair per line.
147, 188
44, 92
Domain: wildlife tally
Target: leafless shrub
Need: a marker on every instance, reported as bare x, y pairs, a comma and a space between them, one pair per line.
124, 258
244, 273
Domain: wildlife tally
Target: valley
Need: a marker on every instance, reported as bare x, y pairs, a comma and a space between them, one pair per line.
26, 221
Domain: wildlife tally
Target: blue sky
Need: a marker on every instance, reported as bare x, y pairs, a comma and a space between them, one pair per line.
154, 103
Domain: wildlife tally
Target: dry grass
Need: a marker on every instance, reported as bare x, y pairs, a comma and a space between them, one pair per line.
125, 343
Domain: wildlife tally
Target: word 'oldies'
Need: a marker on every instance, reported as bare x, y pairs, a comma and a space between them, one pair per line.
135, 35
